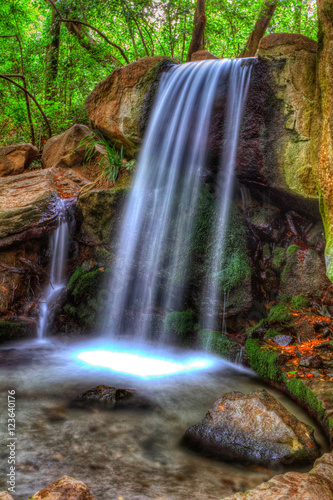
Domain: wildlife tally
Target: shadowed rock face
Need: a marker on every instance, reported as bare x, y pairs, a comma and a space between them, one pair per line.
69, 149
253, 428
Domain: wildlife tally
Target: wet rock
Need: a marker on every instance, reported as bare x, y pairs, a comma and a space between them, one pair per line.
17, 158
274, 148
283, 340
101, 214
106, 397
69, 149
66, 488
202, 55
28, 213
28, 201
5, 496
318, 483
253, 428
119, 106
314, 361
303, 273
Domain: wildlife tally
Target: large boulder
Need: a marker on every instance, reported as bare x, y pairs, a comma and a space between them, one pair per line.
28, 213
318, 483
16, 158
66, 488
28, 201
275, 138
119, 105
253, 428
70, 148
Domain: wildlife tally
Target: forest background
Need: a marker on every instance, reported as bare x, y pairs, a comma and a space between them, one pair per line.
49, 63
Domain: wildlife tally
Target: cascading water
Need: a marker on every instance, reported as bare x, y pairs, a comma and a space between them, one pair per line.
59, 248
238, 84
155, 238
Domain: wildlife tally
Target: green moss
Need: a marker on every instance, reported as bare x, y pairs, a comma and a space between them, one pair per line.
271, 333
297, 387
11, 330
181, 326
279, 256
88, 295
263, 360
102, 254
87, 285
74, 278
299, 302
216, 343
292, 250
284, 299
279, 314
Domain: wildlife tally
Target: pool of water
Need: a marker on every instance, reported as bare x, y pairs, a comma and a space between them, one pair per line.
128, 455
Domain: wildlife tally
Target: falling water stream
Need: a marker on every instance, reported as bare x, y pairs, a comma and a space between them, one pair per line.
155, 237
59, 249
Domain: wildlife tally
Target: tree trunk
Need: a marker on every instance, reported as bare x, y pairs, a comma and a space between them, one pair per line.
322, 125
265, 16
198, 29
52, 58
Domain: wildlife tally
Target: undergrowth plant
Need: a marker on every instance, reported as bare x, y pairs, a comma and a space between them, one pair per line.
109, 162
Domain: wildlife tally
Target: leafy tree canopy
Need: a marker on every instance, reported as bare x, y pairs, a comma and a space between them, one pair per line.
63, 61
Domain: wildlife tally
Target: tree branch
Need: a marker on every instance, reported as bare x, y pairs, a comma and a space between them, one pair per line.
75, 21
5, 77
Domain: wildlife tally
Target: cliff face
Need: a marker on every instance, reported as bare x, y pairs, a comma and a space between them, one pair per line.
322, 125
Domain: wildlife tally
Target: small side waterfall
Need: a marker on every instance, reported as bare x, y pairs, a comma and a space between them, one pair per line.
154, 249
59, 248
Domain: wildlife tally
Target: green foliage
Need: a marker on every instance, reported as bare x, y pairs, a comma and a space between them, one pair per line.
279, 255
279, 314
109, 162
88, 295
216, 343
284, 299
181, 326
299, 302
141, 28
10, 330
271, 333
292, 250
297, 387
263, 360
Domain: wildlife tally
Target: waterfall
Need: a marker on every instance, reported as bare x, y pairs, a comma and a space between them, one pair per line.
59, 248
237, 92
153, 254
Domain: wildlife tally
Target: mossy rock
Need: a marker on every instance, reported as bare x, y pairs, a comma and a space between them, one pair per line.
88, 295
181, 326
304, 273
303, 392
101, 211
264, 361
10, 330
217, 343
